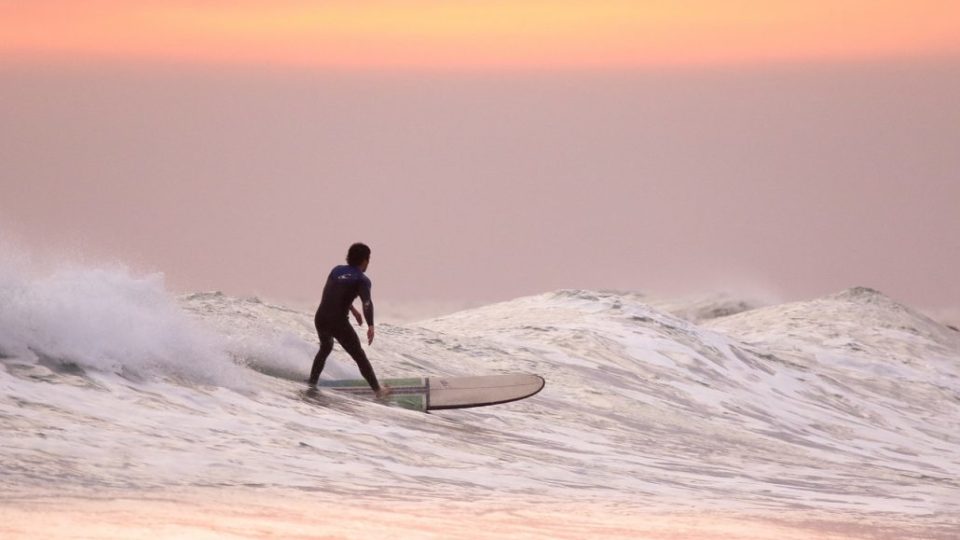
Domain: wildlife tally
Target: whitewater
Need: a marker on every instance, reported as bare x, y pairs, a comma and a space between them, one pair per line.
128, 411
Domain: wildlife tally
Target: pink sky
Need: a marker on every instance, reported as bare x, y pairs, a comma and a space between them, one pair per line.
800, 175
469, 34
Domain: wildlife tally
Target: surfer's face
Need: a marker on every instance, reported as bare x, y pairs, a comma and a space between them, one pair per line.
364, 264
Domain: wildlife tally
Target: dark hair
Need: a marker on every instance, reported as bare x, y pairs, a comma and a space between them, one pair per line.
357, 254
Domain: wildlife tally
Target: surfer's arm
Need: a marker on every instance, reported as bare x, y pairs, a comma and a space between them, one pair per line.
367, 302
356, 315
367, 308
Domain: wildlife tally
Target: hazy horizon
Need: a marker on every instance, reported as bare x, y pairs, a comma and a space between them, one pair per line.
798, 179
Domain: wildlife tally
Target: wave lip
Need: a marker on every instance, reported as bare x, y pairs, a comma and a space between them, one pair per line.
859, 321
107, 320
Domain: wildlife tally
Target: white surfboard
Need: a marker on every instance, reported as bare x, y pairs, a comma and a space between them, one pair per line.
436, 393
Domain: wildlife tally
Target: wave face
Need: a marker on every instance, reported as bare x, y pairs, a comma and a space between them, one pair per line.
848, 404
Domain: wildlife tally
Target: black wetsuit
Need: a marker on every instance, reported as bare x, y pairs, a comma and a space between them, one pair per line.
344, 284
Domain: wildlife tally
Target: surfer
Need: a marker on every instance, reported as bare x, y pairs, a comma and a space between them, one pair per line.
344, 284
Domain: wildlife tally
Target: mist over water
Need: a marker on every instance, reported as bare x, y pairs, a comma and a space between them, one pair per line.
846, 407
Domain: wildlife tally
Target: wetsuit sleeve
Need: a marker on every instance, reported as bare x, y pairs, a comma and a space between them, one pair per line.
367, 301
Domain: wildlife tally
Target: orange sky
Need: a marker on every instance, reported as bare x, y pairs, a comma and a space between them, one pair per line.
477, 33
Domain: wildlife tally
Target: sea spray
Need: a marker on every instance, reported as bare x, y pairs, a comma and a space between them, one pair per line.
108, 320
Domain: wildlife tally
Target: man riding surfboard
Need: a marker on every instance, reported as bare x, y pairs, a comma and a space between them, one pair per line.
344, 284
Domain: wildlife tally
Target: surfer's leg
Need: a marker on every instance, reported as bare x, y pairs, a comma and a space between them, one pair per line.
326, 345
351, 343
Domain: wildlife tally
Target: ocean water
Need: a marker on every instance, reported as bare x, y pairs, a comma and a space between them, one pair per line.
127, 411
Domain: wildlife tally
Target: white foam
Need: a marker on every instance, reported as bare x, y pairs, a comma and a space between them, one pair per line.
109, 320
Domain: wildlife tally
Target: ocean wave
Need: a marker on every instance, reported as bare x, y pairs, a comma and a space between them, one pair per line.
848, 403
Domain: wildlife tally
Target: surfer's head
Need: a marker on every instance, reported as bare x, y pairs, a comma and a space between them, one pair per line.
359, 255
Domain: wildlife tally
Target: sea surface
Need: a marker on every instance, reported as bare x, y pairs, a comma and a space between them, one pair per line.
127, 411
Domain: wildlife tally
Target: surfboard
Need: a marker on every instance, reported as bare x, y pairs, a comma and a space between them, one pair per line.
437, 393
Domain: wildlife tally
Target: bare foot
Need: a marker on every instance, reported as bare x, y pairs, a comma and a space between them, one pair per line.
384, 391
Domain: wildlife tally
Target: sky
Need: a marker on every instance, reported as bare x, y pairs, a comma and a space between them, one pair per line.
487, 150
466, 34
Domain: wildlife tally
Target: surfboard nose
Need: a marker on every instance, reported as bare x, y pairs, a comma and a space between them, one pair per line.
480, 391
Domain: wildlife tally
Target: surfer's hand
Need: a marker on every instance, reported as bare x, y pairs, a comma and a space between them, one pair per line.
384, 391
370, 336
356, 314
